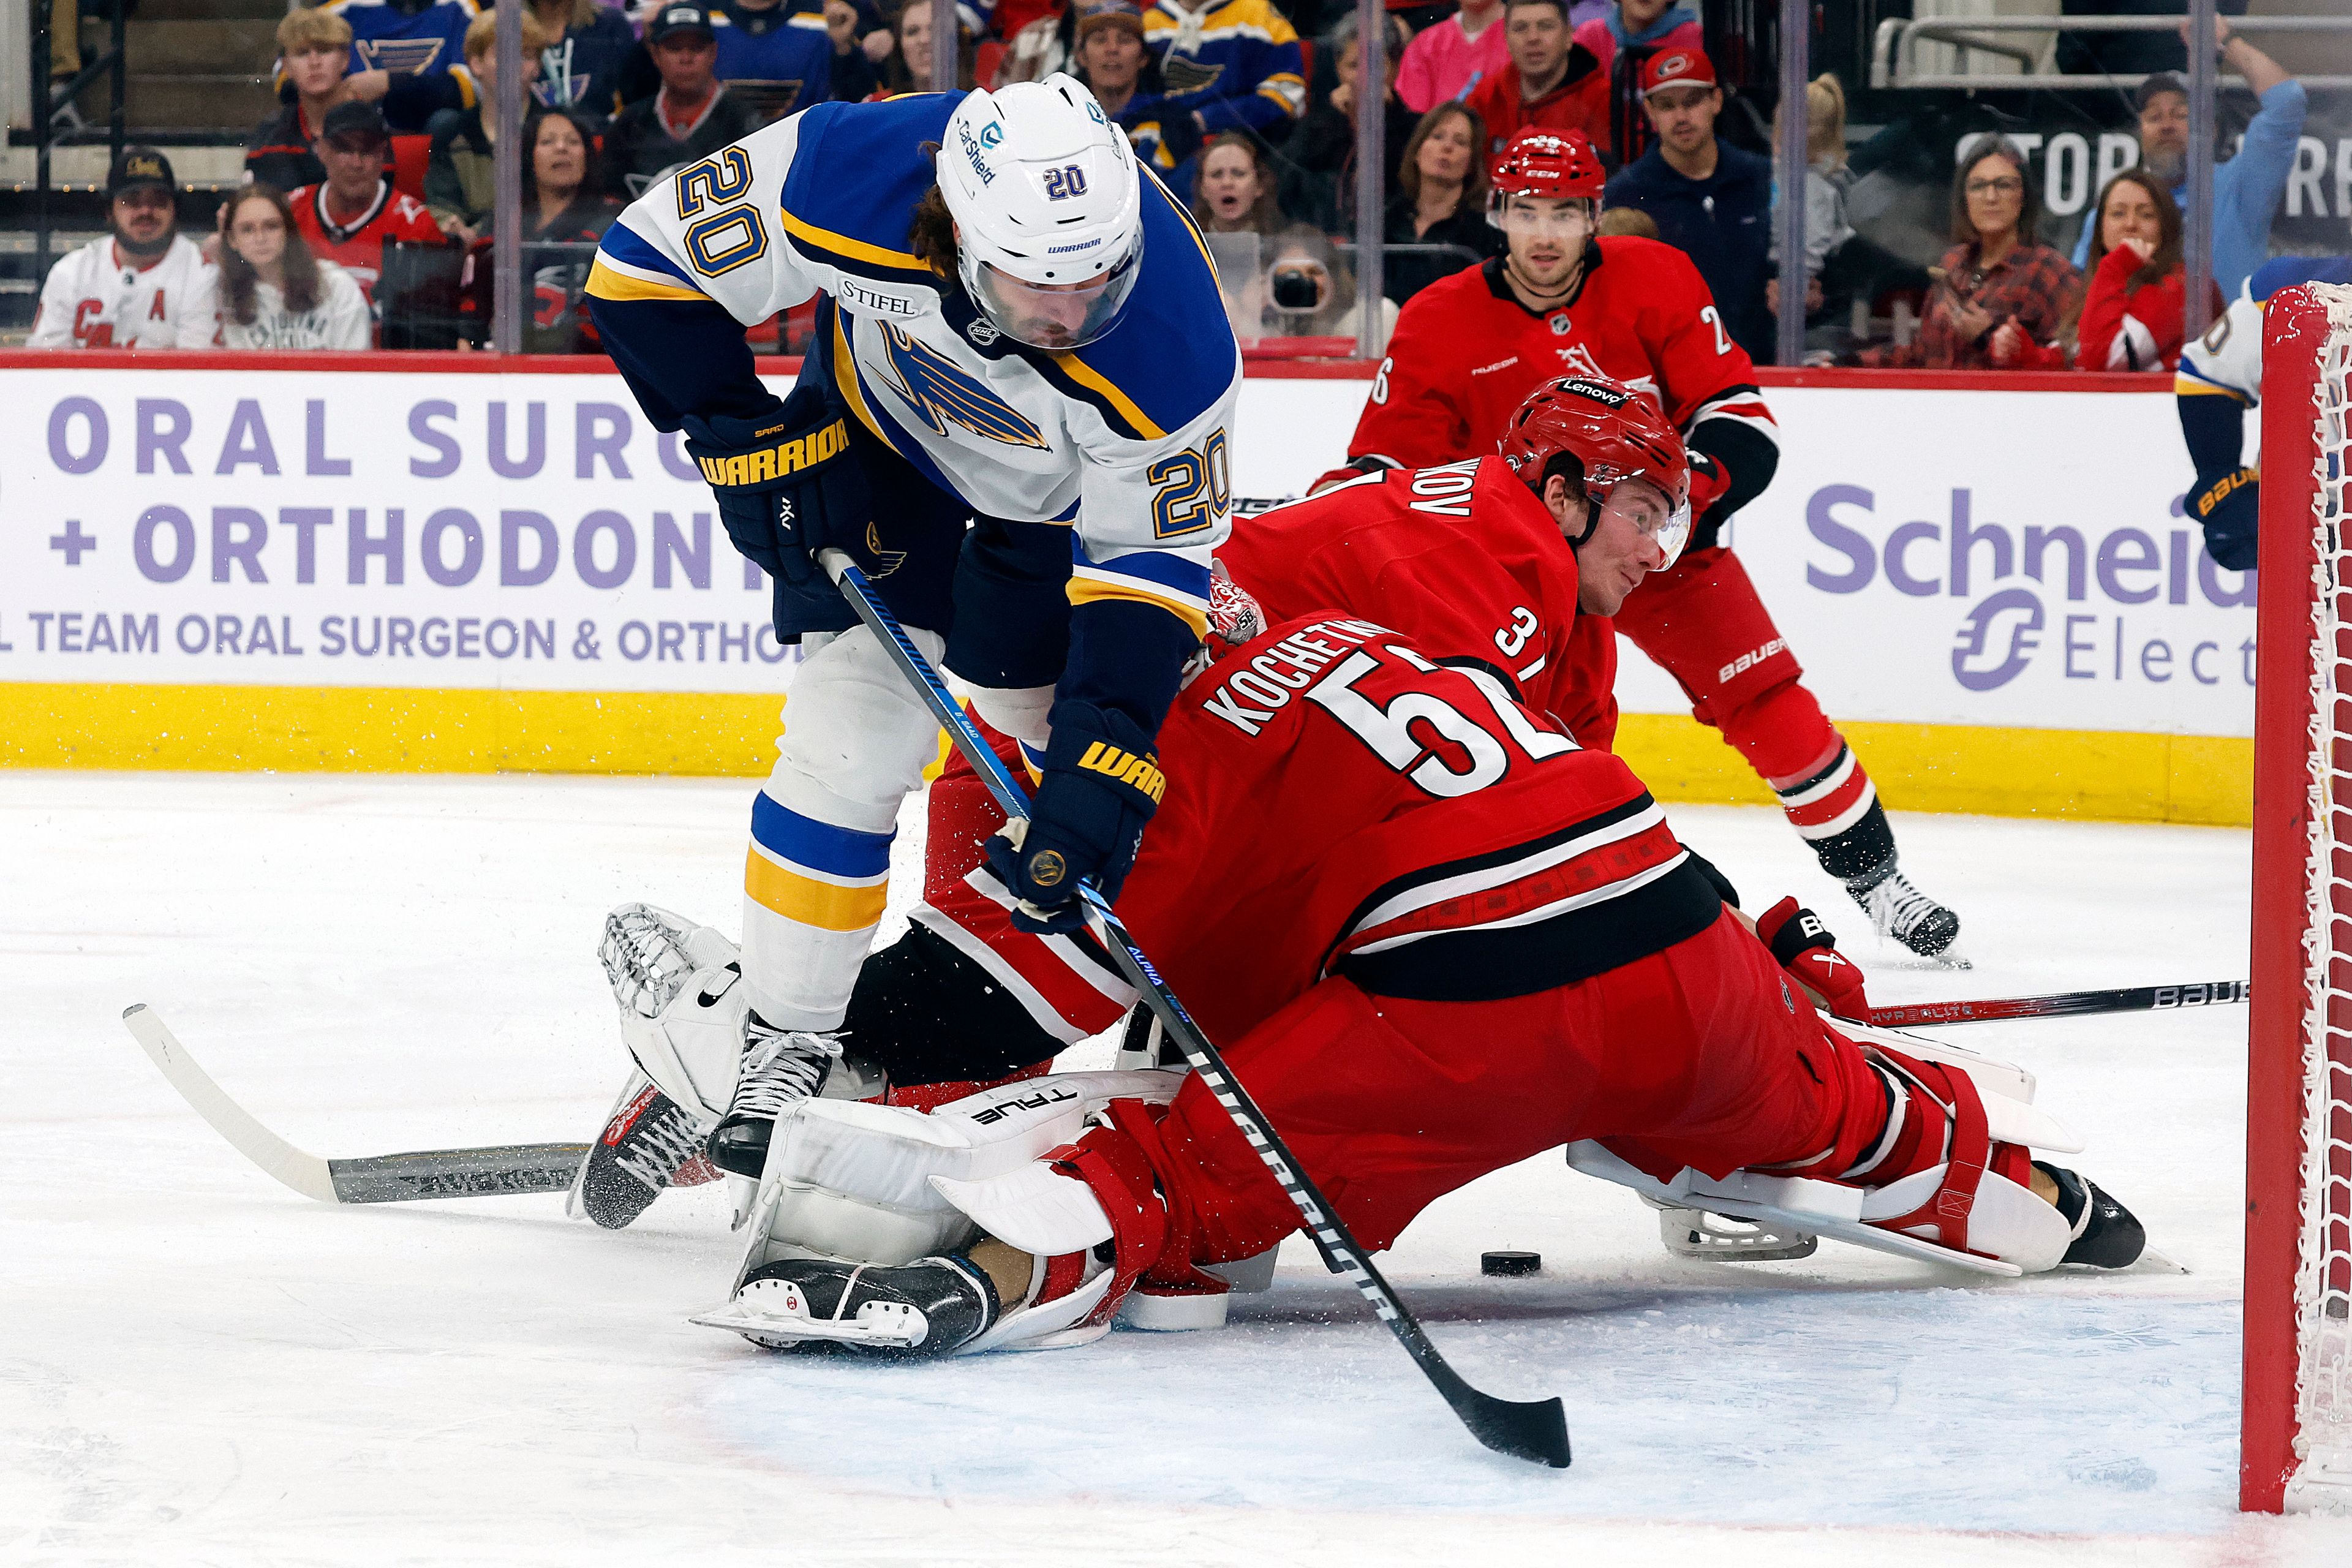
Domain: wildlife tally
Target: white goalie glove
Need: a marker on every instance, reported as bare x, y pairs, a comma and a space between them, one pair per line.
682, 1004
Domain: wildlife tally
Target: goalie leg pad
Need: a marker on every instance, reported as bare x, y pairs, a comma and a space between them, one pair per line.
849, 1179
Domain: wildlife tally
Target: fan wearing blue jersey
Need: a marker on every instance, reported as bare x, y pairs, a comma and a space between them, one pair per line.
2220, 378
1016, 420
406, 37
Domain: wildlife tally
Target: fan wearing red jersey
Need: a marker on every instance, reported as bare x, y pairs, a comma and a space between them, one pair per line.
1375, 859
1469, 349
348, 216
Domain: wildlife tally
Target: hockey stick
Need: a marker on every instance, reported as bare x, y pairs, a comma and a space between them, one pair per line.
2065, 1004
1535, 1430
380, 1179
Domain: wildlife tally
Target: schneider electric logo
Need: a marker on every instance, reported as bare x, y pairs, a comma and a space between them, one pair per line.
2084, 597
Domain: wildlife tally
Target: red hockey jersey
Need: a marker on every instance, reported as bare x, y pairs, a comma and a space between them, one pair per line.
1345, 805
357, 246
1466, 353
1464, 559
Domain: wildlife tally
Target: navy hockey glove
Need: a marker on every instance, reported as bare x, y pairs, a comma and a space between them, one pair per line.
787, 485
1102, 783
2229, 508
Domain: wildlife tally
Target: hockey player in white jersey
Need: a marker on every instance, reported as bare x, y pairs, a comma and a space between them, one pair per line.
2220, 378
1016, 420
141, 285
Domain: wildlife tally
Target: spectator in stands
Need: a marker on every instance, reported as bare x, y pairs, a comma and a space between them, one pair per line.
1441, 200
461, 178
1045, 46
688, 118
314, 54
853, 77
1306, 291
274, 294
2247, 187
1233, 65
2134, 305
1623, 41
565, 212
348, 216
1712, 201
1119, 71
1234, 192
580, 64
909, 68
406, 37
1552, 82
2001, 296
780, 52
1452, 56
1826, 179
141, 285
1320, 182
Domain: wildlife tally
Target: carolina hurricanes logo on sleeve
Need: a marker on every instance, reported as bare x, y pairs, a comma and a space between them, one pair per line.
941, 393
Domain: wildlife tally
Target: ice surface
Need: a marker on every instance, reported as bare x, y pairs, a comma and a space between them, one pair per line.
198, 1365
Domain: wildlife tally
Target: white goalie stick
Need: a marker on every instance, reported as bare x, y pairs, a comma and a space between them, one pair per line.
1534, 1430
377, 1179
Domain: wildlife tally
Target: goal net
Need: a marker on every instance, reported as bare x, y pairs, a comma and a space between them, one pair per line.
2297, 1447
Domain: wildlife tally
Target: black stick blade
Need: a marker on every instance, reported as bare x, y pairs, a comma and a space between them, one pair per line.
1535, 1430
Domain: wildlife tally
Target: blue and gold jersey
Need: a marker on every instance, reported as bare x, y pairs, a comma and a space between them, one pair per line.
1127, 439
420, 42
1236, 63
2221, 375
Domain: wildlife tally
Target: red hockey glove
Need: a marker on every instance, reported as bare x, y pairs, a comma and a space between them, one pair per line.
1805, 948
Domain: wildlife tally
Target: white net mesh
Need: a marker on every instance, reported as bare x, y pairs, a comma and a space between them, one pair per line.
2324, 1277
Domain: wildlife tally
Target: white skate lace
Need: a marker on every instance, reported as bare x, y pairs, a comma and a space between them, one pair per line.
644, 958
1897, 908
658, 1146
779, 1068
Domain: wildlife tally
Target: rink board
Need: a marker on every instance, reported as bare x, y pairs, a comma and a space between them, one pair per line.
454, 567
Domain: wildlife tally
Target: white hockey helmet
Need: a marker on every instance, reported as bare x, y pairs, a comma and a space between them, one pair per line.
1048, 207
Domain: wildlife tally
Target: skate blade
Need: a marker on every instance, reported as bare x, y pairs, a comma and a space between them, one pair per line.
784, 1329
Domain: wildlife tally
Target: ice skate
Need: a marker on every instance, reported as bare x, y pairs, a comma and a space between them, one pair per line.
914, 1311
1901, 914
779, 1068
2105, 1233
649, 1143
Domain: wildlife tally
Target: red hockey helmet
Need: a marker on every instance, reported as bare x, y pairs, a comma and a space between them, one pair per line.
1553, 163
1599, 433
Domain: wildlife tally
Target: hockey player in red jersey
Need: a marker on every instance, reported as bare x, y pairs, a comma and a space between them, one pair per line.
1468, 349
1468, 559
1375, 859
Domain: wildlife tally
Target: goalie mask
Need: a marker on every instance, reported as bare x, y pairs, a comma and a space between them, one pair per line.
1600, 434
1048, 203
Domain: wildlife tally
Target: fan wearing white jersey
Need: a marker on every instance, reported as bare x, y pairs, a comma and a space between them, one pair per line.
1015, 421
141, 285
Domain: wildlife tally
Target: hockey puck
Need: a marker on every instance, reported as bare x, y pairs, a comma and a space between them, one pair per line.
1507, 1265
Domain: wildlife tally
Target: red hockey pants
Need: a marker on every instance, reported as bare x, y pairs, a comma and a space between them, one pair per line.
1704, 1055
1701, 621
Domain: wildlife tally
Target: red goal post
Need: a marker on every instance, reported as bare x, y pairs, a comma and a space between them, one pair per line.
2295, 1448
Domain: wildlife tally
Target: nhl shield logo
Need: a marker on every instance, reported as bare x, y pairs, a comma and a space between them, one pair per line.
1559, 323
981, 332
